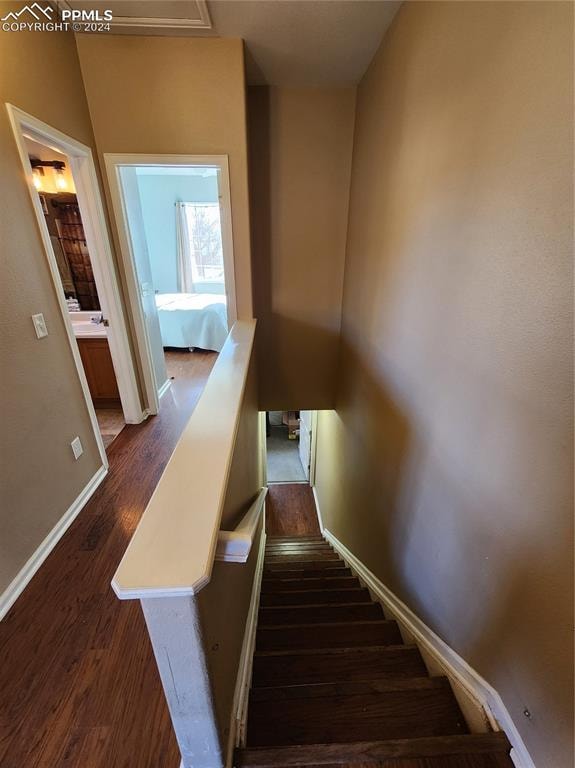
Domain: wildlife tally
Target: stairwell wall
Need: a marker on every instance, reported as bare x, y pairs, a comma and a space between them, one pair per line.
447, 464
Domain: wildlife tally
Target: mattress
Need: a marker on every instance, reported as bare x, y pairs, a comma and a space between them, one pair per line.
193, 320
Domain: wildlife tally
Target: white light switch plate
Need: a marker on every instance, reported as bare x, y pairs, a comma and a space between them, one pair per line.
77, 449
40, 325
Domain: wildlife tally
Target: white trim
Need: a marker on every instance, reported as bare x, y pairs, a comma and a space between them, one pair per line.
93, 219
235, 546
113, 163
452, 664
313, 448
318, 510
20, 582
263, 449
239, 716
158, 22
172, 550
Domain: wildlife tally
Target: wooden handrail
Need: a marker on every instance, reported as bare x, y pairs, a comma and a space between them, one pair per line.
235, 546
172, 551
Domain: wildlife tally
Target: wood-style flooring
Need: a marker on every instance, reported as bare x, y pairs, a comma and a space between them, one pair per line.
290, 510
79, 687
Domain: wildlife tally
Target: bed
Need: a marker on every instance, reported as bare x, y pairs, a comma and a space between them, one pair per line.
192, 320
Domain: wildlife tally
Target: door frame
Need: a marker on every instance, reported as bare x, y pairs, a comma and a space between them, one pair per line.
89, 200
113, 163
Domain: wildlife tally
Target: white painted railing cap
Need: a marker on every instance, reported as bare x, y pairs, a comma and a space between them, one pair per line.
172, 550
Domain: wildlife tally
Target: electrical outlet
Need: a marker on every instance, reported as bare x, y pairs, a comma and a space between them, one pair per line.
77, 449
40, 325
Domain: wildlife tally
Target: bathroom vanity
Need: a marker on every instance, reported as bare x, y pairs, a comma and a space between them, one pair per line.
96, 359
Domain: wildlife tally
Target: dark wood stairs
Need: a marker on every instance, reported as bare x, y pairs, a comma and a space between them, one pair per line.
333, 684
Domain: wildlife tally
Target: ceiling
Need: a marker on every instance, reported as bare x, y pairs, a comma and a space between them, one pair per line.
288, 42
305, 42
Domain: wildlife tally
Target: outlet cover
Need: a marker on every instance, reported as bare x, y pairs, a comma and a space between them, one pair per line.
77, 449
40, 325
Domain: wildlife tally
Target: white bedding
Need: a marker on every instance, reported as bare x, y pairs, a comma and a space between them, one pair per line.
192, 320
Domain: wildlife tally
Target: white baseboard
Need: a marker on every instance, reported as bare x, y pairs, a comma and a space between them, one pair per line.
19, 583
238, 724
317, 509
432, 647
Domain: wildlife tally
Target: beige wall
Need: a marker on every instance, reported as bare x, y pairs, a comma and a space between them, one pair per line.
447, 465
300, 159
43, 407
224, 604
246, 470
165, 95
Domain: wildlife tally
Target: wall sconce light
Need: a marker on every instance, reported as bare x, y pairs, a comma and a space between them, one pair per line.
61, 182
38, 173
38, 177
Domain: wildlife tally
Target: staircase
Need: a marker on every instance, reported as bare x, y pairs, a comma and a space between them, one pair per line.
333, 683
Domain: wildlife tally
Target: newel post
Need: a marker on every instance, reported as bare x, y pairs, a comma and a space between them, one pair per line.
175, 631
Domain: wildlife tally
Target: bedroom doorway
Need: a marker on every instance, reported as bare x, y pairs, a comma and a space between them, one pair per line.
174, 225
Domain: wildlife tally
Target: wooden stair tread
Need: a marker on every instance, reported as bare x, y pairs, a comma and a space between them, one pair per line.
300, 585
393, 714
288, 558
318, 614
328, 635
316, 597
329, 570
347, 688
276, 668
307, 537
446, 751
286, 546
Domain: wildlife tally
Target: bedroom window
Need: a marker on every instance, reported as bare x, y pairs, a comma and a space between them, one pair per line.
205, 242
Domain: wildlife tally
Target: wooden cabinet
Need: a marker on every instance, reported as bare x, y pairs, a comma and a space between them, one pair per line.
99, 370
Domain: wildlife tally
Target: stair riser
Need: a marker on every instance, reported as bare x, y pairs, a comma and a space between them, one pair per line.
284, 577
301, 557
328, 636
322, 614
318, 668
299, 585
309, 566
312, 597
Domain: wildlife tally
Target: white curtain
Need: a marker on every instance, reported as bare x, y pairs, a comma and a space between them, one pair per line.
184, 246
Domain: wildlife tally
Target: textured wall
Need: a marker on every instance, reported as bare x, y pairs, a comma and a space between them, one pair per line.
447, 465
166, 95
300, 158
43, 407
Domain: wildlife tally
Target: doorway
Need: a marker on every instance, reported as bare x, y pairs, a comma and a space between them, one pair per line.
174, 225
65, 196
290, 446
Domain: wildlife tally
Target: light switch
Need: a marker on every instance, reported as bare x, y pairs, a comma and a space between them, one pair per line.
40, 325
77, 449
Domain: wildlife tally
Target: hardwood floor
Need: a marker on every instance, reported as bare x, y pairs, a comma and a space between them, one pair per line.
79, 684
290, 510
